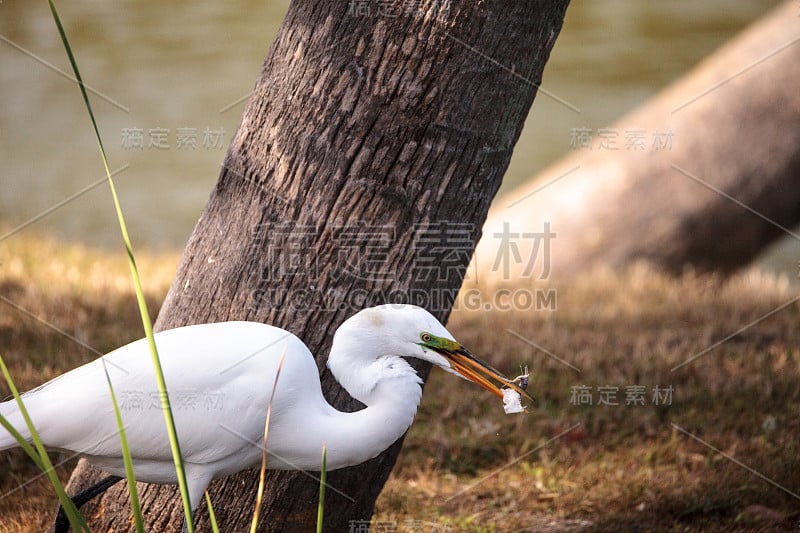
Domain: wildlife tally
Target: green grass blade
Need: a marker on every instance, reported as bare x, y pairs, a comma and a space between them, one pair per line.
24, 444
126, 457
263, 471
322, 475
211, 516
146, 321
76, 521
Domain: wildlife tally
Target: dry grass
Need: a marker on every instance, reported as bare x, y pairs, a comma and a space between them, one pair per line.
86, 294
625, 468
468, 467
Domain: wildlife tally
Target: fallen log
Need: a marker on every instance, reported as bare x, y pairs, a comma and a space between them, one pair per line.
706, 173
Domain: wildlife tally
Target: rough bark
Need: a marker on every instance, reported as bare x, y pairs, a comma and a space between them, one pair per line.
725, 183
366, 135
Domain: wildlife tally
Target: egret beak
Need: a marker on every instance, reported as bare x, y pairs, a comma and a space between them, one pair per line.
474, 369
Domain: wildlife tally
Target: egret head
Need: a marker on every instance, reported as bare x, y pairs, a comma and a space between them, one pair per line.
393, 330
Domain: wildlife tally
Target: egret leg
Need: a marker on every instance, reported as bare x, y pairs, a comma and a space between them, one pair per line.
62, 523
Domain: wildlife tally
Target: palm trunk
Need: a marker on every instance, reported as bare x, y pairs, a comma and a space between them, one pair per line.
362, 171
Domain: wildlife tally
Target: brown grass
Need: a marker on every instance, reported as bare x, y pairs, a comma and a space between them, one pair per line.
468, 467
85, 293
625, 468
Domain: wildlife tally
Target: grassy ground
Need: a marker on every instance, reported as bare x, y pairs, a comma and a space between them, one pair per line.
722, 454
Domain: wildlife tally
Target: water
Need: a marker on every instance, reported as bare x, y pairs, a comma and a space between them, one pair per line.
177, 73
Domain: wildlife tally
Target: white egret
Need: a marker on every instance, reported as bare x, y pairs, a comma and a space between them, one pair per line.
220, 377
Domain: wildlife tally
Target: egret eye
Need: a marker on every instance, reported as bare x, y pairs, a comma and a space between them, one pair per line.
425, 337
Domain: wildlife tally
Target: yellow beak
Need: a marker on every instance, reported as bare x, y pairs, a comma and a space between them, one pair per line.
474, 369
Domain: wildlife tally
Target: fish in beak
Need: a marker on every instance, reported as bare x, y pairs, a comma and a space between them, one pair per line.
478, 371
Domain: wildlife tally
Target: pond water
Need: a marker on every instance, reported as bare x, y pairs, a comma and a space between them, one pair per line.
177, 73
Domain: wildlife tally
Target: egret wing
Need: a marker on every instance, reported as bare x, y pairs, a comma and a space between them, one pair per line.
219, 377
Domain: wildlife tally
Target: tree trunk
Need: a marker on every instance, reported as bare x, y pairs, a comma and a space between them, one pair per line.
703, 174
370, 149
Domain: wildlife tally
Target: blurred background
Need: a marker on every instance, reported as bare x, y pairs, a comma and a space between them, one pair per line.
170, 80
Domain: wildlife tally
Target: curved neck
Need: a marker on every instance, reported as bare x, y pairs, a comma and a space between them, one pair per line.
359, 436
389, 388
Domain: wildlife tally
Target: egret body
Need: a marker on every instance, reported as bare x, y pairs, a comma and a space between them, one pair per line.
220, 377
